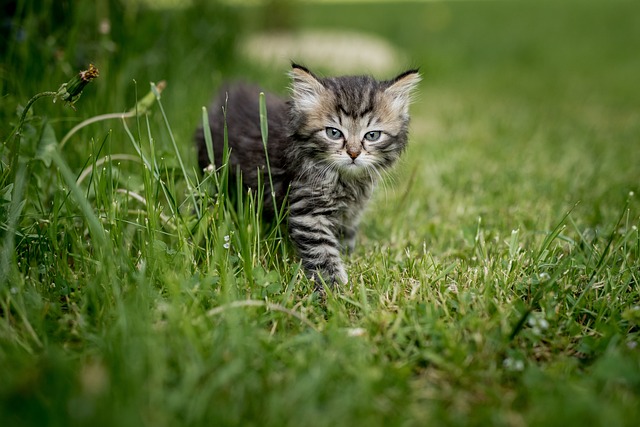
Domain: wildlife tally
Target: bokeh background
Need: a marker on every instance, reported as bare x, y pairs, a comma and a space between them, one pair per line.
526, 64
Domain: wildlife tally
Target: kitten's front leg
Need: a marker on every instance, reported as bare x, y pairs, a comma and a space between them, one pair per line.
314, 235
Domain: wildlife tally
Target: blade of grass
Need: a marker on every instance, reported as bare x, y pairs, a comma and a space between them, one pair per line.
177, 151
601, 261
259, 303
97, 230
264, 131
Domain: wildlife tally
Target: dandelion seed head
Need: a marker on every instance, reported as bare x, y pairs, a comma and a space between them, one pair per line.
538, 323
356, 332
105, 26
513, 364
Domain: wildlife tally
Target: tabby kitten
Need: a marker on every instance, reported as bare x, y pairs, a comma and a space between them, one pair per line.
327, 145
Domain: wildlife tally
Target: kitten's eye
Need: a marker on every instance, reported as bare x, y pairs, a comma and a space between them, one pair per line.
372, 136
333, 133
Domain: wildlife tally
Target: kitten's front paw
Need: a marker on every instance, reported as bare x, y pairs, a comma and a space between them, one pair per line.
332, 277
341, 277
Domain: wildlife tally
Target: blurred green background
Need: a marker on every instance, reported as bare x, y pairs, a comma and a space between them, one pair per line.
555, 55
563, 60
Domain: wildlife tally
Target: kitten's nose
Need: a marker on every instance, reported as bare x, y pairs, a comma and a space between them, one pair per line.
353, 153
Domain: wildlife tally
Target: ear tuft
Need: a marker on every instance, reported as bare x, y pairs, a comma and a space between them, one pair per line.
402, 88
306, 88
300, 67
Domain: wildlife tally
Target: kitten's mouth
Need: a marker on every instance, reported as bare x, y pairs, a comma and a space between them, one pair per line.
353, 168
350, 166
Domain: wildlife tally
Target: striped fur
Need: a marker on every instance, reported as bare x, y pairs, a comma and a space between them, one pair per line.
328, 145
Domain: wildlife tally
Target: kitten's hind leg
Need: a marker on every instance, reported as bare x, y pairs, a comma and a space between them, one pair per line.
348, 228
348, 238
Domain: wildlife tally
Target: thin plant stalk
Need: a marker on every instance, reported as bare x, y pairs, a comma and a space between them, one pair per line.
92, 120
142, 107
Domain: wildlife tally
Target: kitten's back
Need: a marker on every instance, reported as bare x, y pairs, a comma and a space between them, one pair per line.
241, 104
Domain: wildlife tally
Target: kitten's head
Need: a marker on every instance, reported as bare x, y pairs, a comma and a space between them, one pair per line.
353, 123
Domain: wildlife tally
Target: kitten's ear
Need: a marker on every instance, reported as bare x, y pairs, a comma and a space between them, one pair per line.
401, 89
306, 88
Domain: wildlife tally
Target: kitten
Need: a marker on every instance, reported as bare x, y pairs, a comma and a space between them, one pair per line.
327, 145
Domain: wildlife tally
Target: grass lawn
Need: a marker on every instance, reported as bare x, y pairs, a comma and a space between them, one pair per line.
496, 279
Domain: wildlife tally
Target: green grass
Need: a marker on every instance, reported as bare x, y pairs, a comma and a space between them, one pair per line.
496, 277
